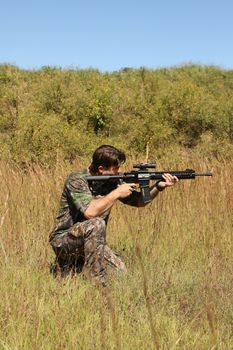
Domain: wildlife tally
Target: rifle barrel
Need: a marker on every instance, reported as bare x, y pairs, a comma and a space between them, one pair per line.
203, 174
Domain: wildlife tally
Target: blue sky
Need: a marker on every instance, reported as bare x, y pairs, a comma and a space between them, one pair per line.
112, 34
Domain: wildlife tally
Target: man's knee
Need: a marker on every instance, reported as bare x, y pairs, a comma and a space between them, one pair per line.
98, 224
95, 232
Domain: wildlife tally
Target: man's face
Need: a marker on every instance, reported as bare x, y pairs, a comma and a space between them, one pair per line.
113, 170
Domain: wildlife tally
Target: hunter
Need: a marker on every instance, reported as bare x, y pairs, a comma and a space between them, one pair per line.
79, 236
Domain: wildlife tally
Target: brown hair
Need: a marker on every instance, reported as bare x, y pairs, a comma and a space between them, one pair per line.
106, 156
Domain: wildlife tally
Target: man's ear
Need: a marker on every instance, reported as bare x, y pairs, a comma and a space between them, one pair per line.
100, 169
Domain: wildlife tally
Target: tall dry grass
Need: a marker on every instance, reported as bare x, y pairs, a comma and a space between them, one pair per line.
177, 293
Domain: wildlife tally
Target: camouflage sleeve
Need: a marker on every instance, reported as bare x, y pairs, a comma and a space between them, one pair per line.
133, 199
79, 193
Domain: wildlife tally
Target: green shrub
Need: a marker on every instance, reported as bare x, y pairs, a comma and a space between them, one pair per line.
55, 113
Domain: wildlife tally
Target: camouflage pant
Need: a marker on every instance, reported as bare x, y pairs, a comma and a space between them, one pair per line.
84, 248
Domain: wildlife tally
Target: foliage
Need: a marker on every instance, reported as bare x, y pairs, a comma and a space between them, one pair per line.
53, 111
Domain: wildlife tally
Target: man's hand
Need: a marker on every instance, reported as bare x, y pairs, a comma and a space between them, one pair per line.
99, 206
168, 181
125, 190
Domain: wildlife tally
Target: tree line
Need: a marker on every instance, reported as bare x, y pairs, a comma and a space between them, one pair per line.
55, 113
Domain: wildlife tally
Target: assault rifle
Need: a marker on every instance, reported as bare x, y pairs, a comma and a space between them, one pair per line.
141, 176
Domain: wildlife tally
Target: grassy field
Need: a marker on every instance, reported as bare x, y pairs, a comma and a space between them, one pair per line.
177, 293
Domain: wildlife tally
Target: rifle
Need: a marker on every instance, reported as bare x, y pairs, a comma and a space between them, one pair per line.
142, 177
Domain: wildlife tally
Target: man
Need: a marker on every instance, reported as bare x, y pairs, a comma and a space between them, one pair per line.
79, 236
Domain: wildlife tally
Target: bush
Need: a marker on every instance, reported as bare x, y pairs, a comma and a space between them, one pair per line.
52, 113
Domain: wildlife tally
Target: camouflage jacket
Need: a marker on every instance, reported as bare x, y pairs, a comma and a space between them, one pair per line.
75, 199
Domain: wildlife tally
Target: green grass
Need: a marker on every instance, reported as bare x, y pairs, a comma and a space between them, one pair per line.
177, 293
